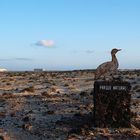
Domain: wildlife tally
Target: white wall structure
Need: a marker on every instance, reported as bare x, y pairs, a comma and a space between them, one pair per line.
38, 70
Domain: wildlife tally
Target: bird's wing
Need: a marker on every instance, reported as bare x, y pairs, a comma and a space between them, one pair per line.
102, 69
104, 65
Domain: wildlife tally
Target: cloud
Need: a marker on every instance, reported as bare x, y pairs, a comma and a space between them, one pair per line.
45, 43
18, 59
1, 59
83, 51
23, 59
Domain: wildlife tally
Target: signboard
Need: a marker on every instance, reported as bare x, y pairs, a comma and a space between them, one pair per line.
112, 104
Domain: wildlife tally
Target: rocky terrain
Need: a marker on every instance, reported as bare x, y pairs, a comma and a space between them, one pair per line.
58, 106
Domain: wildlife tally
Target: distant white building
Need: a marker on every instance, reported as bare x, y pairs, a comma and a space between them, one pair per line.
3, 70
38, 70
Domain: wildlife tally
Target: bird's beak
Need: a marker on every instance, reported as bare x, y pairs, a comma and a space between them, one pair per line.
119, 49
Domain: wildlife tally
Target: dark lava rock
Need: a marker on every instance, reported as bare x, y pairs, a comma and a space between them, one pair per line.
138, 90
13, 114
78, 115
2, 138
50, 112
27, 126
83, 93
26, 119
75, 131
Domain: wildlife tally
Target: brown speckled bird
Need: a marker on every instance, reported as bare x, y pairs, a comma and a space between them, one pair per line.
108, 68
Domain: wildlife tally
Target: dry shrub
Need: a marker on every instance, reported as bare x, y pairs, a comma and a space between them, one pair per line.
46, 94
7, 95
53, 89
29, 89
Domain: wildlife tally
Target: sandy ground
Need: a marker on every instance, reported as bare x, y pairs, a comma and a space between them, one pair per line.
58, 106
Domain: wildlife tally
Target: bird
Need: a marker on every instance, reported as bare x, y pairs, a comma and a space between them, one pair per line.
108, 68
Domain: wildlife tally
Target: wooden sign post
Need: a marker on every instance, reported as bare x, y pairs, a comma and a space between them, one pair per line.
112, 104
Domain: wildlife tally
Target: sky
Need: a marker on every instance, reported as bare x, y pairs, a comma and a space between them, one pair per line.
68, 34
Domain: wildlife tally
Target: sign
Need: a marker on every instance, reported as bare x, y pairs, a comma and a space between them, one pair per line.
112, 104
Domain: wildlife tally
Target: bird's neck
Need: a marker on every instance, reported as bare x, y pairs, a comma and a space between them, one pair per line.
114, 58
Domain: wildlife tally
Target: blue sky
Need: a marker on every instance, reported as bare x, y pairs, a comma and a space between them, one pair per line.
68, 34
